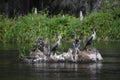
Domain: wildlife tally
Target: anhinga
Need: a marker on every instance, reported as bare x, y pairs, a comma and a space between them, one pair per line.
91, 39
76, 44
55, 45
39, 44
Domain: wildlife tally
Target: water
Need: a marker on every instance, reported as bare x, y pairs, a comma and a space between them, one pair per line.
109, 69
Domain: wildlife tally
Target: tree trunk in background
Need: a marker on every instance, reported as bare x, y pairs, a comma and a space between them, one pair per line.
13, 8
97, 5
75, 6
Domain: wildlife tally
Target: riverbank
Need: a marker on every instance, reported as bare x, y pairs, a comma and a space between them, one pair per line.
26, 29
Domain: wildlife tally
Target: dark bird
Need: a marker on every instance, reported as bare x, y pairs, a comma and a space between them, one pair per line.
91, 39
55, 45
76, 44
39, 44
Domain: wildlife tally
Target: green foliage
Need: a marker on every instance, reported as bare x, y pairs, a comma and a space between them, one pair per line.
22, 54
26, 29
107, 24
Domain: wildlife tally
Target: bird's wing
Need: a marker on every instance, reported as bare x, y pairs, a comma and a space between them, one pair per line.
54, 46
78, 44
90, 38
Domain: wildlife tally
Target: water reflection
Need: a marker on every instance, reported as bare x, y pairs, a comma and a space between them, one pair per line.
109, 69
59, 70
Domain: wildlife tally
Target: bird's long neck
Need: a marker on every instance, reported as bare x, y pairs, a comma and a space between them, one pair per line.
58, 41
94, 34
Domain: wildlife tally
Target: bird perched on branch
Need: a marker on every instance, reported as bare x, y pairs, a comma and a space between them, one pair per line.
91, 39
55, 45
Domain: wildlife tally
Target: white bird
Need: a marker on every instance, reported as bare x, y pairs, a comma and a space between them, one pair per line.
81, 16
35, 10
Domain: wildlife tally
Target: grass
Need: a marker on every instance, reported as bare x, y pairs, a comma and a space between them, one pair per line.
26, 29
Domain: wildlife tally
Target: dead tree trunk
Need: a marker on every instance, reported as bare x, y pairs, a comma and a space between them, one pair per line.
97, 6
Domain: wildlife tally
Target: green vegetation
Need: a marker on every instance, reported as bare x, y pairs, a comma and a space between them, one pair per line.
26, 29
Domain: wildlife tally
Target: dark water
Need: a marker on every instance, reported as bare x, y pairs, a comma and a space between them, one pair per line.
109, 69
